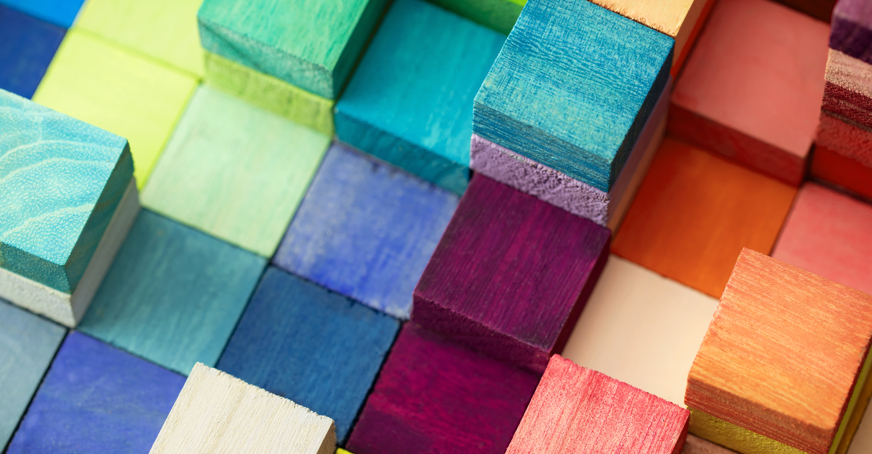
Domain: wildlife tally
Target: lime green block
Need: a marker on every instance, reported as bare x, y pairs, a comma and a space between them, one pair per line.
235, 171
104, 85
162, 29
499, 15
272, 94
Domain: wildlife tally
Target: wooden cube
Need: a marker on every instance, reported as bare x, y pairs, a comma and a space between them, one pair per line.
499, 15
852, 29
842, 155
27, 46
848, 90
58, 12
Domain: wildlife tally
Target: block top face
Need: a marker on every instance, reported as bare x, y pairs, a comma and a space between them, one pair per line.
58, 12
782, 353
572, 88
852, 29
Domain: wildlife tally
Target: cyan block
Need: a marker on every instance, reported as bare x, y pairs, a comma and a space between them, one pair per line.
572, 88
27, 46
410, 100
59, 12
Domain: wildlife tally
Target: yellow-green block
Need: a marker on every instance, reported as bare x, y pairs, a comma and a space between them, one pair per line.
235, 171
737, 438
102, 84
342, 451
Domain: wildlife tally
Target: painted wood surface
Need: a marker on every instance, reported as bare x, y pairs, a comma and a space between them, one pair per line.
642, 329
846, 173
572, 88
307, 344
27, 46
173, 295
852, 29
848, 91
96, 398
366, 230
761, 115
846, 137
579, 410
58, 12
696, 445
748, 373
695, 212
311, 44
510, 275
216, 412
27, 345
235, 171
93, 80
434, 396
821, 10
499, 15
410, 100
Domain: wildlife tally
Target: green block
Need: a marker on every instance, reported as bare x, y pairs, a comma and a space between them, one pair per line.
235, 171
499, 15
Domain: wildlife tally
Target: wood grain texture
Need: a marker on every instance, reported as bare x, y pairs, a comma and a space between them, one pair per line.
696, 445
92, 80
58, 12
499, 15
772, 322
695, 212
848, 174
316, 348
848, 92
433, 396
762, 115
579, 410
27, 46
173, 295
96, 398
235, 171
852, 29
572, 88
310, 44
410, 100
366, 230
510, 275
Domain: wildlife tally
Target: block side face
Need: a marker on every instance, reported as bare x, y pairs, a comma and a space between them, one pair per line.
848, 90
847, 139
58, 12
833, 167
357, 43
27, 46
734, 437
499, 15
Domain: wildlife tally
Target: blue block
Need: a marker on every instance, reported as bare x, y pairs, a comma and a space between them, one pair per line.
27, 46
318, 349
97, 399
173, 294
59, 12
573, 87
410, 99
366, 230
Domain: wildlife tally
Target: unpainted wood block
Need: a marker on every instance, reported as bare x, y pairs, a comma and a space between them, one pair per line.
848, 92
366, 230
27, 46
409, 102
579, 410
785, 359
311, 44
434, 396
58, 12
499, 15
852, 29
96, 398
173, 295
846, 173
235, 171
217, 413
105, 85
572, 88
761, 115
696, 445
695, 212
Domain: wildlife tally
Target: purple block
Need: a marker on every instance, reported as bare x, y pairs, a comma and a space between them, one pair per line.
510, 275
852, 29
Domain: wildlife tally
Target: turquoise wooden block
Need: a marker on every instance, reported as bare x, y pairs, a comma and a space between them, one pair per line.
573, 87
60, 182
173, 294
410, 100
312, 44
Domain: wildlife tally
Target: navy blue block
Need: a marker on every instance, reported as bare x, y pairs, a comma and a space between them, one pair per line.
58, 12
27, 46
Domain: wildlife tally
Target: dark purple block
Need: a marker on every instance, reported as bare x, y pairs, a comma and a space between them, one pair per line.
434, 396
852, 29
511, 275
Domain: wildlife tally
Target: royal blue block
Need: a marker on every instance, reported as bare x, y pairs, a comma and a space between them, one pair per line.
97, 399
317, 348
366, 230
27, 46
58, 12
173, 294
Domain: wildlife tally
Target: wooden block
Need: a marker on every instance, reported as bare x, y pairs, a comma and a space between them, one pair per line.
173, 295
642, 329
849, 139
572, 88
779, 363
510, 275
863, 438
578, 410
58, 12
433, 396
852, 29
696, 445
216, 412
761, 115
162, 29
27, 345
695, 212
848, 91
316, 348
409, 102
96, 398
499, 15
235, 171
311, 44
848, 174
366, 230
93, 80
821, 10
27, 46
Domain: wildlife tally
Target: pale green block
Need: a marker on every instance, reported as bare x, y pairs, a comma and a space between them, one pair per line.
272, 94
499, 15
235, 171
102, 84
